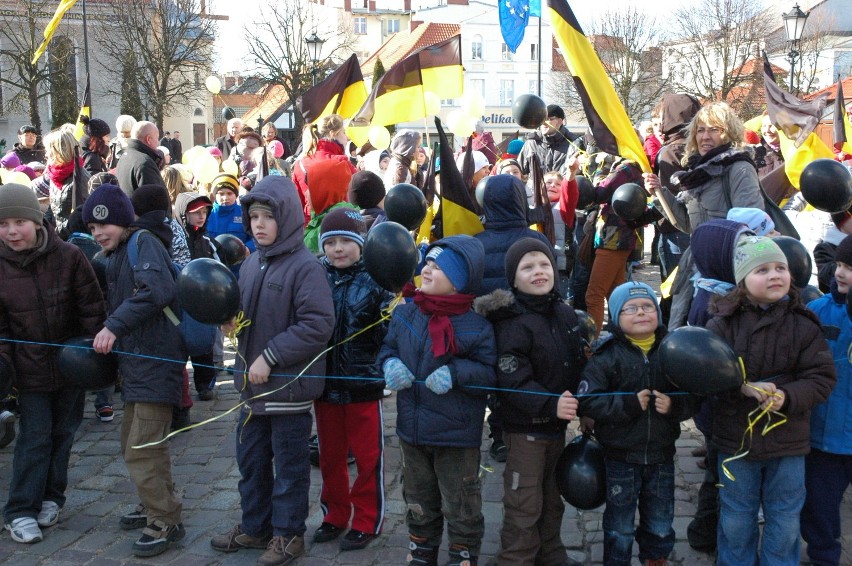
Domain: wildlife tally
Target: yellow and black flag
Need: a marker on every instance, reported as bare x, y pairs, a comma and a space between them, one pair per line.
399, 95
842, 128
64, 6
85, 110
342, 92
457, 214
607, 118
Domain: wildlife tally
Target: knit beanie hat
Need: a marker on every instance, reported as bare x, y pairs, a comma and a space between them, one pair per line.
148, 198
757, 220
225, 181
19, 201
94, 127
753, 251
344, 222
479, 160
844, 251
519, 249
626, 292
515, 147
10, 160
108, 205
366, 190
462, 259
260, 206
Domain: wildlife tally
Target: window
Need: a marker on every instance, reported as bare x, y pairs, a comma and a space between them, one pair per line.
476, 48
533, 52
198, 112
533, 86
507, 92
360, 25
478, 86
507, 54
393, 26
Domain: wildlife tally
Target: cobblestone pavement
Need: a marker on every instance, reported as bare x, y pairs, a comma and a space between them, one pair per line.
204, 467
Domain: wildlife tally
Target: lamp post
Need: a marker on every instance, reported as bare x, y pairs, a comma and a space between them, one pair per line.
794, 24
259, 125
314, 43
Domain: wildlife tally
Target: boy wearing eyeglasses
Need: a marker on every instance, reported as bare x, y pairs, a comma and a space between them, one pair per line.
637, 422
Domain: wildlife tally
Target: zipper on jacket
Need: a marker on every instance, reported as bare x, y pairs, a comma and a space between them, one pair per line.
645, 373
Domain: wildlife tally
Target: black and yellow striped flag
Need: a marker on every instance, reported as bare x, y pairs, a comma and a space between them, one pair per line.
457, 214
50, 29
85, 110
607, 118
342, 92
399, 95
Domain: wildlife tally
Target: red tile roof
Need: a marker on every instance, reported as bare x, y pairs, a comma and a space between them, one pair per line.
832, 90
401, 45
755, 66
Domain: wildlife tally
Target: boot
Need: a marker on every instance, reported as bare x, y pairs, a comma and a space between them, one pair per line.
460, 556
420, 554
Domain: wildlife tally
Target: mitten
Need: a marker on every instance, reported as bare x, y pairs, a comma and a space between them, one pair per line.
397, 376
440, 381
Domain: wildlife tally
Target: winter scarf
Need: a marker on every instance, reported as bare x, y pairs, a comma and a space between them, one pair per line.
702, 168
440, 307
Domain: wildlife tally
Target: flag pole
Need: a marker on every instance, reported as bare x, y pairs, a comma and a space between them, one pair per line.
538, 81
86, 51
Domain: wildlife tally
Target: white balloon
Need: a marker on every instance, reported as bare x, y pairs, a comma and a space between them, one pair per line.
213, 84
473, 104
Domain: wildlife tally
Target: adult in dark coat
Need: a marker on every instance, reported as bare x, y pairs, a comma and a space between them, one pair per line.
138, 165
29, 148
176, 148
229, 141
552, 142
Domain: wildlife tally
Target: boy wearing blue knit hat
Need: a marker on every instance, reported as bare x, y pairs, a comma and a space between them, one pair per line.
440, 356
637, 423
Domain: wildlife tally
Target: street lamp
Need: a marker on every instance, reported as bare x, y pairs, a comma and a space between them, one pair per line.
794, 24
314, 43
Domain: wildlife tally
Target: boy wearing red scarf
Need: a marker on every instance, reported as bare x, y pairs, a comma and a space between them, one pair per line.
440, 356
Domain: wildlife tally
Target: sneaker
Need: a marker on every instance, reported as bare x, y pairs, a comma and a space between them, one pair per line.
421, 554
49, 514
105, 413
25, 530
136, 519
460, 556
236, 539
7, 425
498, 451
327, 532
156, 538
282, 550
207, 395
387, 392
356, 540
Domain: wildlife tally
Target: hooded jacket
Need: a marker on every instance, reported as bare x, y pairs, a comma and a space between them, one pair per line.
677, 111
454, 418
138, 166
552, 150
330, 180
403, 150
612, 231
199, 243
783, 344
283, 291
29, 154
504, 206
326, 150
49, 294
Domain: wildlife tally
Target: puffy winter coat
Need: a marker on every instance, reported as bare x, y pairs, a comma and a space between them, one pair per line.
358, 302
284, 292
504, 205
628, 433
552, 150
48, 295
538, 353
783, 344
138, 166
326, 149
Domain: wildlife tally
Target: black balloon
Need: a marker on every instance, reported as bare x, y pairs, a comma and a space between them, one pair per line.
232, 250
208, 291
480, 190
697, 360
827, 185
587, 327
586, 192
798, 260
390, 255
529, 111
406, 205
228, 113
809, 293
581, 473
629, 201
81, 367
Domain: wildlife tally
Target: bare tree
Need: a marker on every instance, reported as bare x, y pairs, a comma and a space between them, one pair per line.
277, 44
715, 38
172, 42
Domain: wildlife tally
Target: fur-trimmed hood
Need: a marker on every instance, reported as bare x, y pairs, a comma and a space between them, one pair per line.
496, 305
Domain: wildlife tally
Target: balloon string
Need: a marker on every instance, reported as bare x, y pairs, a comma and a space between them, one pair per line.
240, 323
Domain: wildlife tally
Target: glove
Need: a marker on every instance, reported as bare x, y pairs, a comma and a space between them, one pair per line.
440, 381
397, 376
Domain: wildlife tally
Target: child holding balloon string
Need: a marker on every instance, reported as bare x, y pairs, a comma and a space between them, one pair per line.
762, 429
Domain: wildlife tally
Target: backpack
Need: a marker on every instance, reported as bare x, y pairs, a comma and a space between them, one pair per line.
197, 337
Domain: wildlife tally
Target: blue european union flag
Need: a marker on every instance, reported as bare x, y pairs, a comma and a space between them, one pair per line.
514, 16
535, 8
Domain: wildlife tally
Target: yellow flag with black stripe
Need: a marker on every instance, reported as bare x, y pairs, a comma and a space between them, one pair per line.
342, 92
85, 110
63, 7
399, 95
457, 214
607, 118
797, 158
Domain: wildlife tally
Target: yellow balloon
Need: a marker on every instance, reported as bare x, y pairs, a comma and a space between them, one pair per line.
205, 168
19, 177
213, 84
379, 137
453, 119
190, 154
230, 166
473, 104
432, 102
4, 176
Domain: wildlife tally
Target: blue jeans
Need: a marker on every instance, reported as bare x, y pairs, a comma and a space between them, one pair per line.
103, 397
651, 487
781, 481
45, 435
670, 247
272, 454
827, 476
